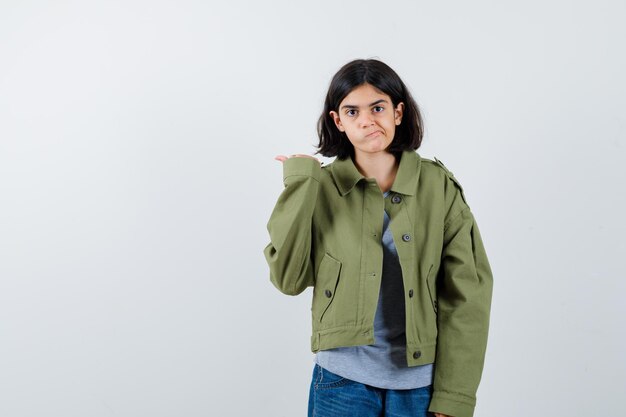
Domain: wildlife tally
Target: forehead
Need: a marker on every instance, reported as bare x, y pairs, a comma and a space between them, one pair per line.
363, 96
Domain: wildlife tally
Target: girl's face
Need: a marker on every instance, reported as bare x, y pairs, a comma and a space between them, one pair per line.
368, 118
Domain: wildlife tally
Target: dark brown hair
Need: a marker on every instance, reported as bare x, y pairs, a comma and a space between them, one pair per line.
409, 133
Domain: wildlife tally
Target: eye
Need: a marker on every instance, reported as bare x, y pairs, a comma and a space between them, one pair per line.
379, 107
348, 112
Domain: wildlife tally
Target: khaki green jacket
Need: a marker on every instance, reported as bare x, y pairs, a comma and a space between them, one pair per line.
325, 232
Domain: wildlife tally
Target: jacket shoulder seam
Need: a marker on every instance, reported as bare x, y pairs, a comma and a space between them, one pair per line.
453, 218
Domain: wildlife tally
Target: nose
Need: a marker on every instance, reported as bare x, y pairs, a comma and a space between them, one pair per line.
366, 119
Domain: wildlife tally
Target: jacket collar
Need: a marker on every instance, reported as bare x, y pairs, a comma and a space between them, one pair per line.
346, 174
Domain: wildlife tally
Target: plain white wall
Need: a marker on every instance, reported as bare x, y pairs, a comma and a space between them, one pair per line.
137, 176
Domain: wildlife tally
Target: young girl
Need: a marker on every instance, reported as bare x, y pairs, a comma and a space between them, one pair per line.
401, 282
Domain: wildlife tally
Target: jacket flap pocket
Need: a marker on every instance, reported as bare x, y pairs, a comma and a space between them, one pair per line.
430, 283
326, 283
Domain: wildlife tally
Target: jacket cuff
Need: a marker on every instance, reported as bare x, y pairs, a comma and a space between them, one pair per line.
299, 165
451, 405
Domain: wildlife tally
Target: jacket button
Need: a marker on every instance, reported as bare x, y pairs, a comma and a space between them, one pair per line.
411, 292
417, 354
406, 237
328, 293
396, 199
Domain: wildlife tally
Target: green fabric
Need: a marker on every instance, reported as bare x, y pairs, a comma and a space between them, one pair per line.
325, 232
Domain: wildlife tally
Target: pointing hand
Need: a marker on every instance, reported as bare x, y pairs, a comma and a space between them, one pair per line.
283, 158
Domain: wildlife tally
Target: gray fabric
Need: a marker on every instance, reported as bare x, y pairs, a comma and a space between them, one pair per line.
382, 364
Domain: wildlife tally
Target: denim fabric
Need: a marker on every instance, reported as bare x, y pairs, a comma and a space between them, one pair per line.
331, 395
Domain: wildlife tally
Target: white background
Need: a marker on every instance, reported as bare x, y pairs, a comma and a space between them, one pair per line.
137, 177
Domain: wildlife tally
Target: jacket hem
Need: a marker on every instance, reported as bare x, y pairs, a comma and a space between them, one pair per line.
342, 336
420, 354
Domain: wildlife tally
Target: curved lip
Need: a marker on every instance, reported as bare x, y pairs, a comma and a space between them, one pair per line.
369, 134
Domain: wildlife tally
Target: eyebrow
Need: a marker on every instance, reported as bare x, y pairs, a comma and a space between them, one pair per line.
350, 106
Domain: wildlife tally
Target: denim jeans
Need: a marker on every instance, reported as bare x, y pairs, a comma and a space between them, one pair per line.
334, 396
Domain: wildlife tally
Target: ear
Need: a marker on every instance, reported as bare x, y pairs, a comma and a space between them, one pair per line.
399, 112
337, 120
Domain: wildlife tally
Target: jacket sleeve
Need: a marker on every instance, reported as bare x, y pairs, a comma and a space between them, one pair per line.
464, 302
288, 253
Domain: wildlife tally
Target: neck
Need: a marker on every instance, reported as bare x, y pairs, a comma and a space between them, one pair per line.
380, 165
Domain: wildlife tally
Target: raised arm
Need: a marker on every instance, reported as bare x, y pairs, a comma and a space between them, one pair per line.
288, 253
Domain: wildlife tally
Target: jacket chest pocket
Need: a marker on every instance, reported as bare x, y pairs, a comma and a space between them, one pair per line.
326, 282
432, 287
